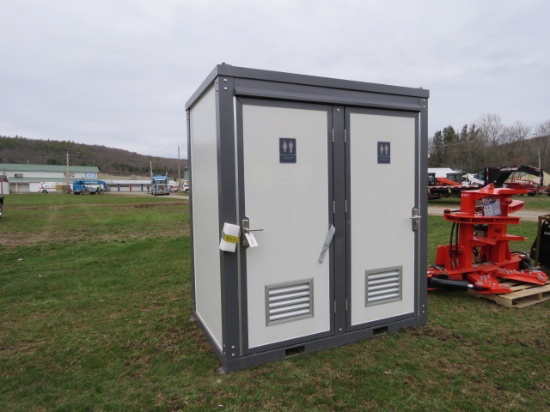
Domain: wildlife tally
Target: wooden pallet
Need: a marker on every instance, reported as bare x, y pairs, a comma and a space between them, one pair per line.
523, 295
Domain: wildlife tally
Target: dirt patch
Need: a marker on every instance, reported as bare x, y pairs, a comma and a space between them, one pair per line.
106, 206
147, 205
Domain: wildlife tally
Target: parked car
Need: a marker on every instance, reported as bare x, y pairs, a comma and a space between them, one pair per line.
185, 187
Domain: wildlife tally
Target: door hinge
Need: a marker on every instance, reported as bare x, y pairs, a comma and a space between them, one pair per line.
346, 305
346, 205
332, 135
345, 136
334, 306
333, 207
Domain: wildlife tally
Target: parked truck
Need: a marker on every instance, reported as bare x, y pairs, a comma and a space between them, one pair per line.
92, 187
448, 182
511, 177
50, 187
517, 177
159, 185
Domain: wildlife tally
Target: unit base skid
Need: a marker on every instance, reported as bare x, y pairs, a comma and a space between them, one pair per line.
235, 363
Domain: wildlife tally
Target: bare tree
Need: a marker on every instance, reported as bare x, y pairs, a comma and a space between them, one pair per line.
489, 143
491, 128
513, 143
543, 129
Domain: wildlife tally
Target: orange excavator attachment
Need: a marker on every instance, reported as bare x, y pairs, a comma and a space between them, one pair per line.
478, 254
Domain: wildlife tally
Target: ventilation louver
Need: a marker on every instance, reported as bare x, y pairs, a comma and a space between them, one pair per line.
383, 285
289, 301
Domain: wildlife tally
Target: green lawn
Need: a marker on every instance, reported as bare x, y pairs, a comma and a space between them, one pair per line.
95, 314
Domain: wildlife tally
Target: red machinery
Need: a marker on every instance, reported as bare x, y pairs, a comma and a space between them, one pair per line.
478, 254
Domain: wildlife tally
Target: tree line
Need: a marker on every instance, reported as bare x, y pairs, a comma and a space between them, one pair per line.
488, 142
21, 150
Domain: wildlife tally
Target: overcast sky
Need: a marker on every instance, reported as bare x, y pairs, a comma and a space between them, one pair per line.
119, 72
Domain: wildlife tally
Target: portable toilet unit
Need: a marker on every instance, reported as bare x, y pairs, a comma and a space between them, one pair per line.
308, 212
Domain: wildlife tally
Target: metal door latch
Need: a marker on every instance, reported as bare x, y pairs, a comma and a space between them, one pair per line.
415, 219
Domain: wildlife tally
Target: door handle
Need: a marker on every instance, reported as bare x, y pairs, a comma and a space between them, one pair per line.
246, 227
247, 230
415, 219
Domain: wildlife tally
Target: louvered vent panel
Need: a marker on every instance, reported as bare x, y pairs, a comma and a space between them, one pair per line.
383, 285
289, 301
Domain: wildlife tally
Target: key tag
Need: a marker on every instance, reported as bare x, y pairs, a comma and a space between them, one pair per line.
250, 240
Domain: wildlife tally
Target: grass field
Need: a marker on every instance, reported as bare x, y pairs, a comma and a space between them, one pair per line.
95, 315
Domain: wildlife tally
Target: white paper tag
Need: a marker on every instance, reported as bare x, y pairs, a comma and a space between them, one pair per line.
252, 242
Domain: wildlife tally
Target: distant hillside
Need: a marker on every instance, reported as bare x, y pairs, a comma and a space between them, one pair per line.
21, 150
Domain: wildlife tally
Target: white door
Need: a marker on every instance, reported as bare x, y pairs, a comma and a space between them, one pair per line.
285, 179
381, 194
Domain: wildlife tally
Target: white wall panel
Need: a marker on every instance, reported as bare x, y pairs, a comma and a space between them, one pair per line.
206, 234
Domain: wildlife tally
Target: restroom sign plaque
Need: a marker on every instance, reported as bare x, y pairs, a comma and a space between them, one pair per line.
287, 150
384, 152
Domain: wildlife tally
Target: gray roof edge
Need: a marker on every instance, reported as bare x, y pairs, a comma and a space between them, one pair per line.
276, 76
203, 86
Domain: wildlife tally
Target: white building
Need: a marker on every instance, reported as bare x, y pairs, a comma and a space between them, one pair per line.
26, 178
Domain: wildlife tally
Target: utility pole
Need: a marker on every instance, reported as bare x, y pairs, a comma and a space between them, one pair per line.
179, 168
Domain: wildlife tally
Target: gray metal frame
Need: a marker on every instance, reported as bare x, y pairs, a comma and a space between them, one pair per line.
233, 83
